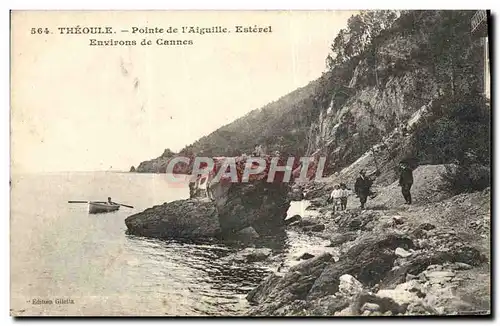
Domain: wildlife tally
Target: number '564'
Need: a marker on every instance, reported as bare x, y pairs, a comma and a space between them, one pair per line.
40, 30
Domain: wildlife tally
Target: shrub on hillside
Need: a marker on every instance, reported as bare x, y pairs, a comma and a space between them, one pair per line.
458, 132
466, 178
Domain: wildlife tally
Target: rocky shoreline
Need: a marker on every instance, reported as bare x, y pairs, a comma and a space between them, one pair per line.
427, 259
237, 210
430, 258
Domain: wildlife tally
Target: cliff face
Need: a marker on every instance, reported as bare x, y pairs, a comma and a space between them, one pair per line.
385, 73
373, 113
394, 83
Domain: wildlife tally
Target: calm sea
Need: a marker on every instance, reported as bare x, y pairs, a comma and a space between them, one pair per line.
59, 251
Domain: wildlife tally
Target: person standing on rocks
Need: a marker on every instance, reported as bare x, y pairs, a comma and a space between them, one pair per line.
343, 199
362, 187
335, 197
405, 180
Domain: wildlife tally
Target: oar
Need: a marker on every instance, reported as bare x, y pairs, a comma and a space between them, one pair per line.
78, 201
124, 205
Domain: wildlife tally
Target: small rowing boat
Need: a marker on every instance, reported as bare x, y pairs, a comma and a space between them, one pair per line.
100, 206
96, 207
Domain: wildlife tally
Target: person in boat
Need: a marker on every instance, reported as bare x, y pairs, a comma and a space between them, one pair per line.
110, 202
362, 187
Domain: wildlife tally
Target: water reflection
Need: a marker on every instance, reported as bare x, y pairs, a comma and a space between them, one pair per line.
203, 277
198, 273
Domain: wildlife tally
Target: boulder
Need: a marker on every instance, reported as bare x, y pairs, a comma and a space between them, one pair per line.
275, 292
441, 249
257, 254
247, 233
307, 222
317, 203
402, 293
339, 239
460, 266
293, 220
179, 219
259, 293
368, 261
370, 307
314, 228
317, 190
250, 255
307, 225
400, 252
259, 204
305, 256
132, 169
352, 221
349, 286
328, 306
296, 194
397, 220
370, 302
421, 230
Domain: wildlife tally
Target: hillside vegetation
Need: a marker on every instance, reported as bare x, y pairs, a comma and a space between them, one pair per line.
420, 70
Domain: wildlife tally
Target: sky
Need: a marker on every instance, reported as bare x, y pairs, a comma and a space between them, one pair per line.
76, 107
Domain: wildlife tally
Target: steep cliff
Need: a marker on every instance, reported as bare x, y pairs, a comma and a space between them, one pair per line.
385, 70
423, 57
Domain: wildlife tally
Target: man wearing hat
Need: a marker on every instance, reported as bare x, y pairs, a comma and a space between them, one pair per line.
362, 187
405, 180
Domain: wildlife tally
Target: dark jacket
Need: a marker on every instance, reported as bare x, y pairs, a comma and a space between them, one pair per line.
362, 185
405, 176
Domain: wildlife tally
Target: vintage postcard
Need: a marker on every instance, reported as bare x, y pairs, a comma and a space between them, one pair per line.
250, 163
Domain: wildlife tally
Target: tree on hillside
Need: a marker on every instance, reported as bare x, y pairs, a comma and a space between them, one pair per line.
360, 31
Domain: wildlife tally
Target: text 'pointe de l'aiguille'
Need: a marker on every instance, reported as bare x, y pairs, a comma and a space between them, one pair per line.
201, 30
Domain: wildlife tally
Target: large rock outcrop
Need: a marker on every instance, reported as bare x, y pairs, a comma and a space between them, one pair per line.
260, 205
179, 219
230, 206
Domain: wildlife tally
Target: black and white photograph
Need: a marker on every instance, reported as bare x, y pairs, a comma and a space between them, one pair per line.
253, 163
